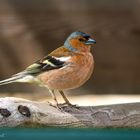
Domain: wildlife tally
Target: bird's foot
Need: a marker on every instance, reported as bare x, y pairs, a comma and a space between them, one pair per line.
56, 105
64, 107
68, 105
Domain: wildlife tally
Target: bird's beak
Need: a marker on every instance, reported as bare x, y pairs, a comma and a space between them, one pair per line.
90, 41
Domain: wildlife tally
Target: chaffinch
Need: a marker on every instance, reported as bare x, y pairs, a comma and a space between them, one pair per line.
67, 67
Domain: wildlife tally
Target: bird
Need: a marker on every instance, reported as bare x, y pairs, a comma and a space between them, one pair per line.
67, 67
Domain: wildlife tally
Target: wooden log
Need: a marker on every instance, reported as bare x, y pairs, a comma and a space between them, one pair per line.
20, 112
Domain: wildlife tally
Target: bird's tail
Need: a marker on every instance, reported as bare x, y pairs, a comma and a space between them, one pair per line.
9, 80
20, 77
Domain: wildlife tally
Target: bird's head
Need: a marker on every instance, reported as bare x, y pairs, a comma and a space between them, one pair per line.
79, 41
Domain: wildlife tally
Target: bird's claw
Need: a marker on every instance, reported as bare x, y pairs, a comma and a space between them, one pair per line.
56, 106
63, 106
67, 105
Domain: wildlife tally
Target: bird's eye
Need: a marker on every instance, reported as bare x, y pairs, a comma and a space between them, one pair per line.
86, 37
81, 39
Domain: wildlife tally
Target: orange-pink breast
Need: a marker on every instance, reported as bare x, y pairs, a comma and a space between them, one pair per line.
73, 75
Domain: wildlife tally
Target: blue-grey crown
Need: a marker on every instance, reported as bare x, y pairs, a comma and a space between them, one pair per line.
74, 35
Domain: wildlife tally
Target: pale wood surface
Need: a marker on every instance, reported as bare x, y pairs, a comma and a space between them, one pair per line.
21, 112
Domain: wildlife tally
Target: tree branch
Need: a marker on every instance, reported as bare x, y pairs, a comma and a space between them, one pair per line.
20, 112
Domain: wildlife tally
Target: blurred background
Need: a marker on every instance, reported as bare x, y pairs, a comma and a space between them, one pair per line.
30, 29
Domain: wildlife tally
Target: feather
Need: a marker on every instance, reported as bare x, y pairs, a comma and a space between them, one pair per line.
11, 80
46, 64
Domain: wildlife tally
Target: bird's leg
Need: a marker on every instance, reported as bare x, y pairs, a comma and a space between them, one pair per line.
67, 102
54, 97
64, 97
56, 105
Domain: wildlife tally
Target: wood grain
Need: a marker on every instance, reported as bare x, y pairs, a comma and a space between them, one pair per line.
20, 112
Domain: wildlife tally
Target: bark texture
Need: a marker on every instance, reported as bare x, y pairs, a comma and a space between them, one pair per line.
20, 112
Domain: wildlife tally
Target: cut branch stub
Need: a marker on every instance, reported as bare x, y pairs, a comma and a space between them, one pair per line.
24, 110
4, 112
